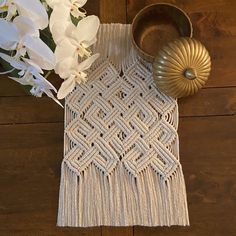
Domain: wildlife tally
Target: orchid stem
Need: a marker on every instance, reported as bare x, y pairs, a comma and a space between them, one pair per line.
48, 74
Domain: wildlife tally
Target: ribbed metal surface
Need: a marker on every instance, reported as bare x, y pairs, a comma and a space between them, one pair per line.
182, 67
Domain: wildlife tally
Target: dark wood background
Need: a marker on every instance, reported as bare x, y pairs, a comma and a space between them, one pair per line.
31, 138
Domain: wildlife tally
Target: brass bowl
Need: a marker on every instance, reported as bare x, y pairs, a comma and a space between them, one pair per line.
156, 25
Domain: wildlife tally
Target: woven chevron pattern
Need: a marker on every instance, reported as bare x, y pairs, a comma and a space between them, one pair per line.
120, 126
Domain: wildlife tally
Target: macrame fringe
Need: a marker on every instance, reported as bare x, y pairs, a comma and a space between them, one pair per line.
120, 199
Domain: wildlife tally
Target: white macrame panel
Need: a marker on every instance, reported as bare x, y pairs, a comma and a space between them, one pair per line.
121, 159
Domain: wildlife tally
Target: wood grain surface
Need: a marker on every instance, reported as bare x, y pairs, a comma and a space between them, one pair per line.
31, 138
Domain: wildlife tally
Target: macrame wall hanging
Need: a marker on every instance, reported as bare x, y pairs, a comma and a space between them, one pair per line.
121, 153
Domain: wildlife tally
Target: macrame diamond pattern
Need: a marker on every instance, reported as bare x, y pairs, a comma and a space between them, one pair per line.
121, 117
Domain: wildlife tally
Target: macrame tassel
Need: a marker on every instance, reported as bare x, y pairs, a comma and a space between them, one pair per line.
120, 199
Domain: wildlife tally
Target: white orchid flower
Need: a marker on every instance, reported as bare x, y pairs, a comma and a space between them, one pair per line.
39, 85
75, 75
23, 37
79, 39
26, 26
39, 53
59, 22
9, 36
74, 6
30, 74
60, 19
14, 31
32, 9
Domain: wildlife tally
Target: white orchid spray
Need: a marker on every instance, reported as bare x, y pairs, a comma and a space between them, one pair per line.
72, 42
23, 47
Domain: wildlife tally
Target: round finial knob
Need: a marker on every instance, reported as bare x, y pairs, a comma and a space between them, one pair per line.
190, 73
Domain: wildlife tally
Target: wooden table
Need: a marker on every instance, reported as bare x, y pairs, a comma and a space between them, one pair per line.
31, 138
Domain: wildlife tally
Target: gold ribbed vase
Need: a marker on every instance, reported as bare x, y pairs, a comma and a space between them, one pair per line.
181, 67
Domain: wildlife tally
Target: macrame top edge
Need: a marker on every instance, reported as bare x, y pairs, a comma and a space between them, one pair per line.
113, 45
